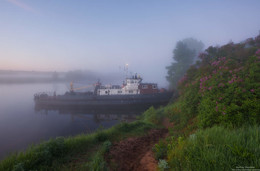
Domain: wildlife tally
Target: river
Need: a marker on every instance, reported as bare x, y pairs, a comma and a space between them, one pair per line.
21, 125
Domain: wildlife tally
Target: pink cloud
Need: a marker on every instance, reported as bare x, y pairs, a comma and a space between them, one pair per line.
22, 5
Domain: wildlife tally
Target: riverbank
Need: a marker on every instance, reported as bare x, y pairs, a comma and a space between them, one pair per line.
62, 153
156, 141
212, 125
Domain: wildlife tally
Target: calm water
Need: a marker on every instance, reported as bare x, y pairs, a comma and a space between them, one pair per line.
21, 125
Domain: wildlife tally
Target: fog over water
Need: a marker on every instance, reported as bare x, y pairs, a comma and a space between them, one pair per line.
21, 124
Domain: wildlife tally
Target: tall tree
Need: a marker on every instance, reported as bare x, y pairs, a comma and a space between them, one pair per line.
194, 44
184, 56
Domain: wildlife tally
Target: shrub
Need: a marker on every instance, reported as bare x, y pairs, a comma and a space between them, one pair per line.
101, 136
160, 150
230, 96
163, 165
152, 115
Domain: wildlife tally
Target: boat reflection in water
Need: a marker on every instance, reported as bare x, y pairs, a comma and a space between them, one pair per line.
96, 115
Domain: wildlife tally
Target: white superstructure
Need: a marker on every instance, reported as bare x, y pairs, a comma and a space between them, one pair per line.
130, 87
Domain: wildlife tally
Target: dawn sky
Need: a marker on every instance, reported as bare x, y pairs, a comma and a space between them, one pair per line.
104, 35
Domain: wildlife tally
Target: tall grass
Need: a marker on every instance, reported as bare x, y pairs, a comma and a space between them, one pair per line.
154, 116
217, 148
55, 152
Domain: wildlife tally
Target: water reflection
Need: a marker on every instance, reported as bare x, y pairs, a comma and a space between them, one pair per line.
97, 115
22, 123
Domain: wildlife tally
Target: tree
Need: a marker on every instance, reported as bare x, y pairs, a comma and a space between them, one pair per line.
194, 45
184, 56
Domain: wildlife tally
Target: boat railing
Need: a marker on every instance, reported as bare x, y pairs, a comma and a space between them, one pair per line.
44, 95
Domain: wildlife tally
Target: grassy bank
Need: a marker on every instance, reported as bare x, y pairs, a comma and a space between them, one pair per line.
216, 148
218, 104
62, 153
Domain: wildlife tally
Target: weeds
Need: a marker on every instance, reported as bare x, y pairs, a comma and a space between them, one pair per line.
163, 165
98, 162
160, 150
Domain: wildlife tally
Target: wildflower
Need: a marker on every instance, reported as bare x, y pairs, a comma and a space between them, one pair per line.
216, 108
223, 113
215, 63
252, 90
221, 85
240, 80
257, 52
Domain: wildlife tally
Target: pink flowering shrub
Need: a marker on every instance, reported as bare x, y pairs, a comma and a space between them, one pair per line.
231, 95
257, 52
223, 90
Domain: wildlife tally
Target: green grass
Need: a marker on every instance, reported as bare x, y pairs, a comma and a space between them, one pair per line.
216, 148
97, 161
55, 154
153, 115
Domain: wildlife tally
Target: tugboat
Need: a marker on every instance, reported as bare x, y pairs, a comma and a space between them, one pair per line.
133, 94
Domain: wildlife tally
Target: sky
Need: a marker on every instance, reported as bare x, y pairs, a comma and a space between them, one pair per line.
104, 35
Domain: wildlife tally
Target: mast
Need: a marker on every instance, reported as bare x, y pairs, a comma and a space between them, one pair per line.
126, 70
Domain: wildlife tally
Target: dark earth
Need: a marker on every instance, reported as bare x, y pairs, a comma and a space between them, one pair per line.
135, 153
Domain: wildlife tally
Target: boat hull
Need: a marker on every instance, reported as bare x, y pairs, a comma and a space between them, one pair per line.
109, 102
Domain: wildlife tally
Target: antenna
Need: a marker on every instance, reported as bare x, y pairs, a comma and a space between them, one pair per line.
126, 70
71, 87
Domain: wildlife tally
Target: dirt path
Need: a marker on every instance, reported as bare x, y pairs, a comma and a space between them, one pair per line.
135, 153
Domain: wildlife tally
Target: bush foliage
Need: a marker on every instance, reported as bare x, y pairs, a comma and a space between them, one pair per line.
222, 89
221, 93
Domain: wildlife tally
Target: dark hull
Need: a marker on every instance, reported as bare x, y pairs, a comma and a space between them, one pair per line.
110, 102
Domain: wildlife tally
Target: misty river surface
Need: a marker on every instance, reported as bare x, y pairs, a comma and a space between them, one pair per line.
21, 125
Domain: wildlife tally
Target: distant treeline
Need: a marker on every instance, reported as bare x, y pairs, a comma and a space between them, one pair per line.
20, 77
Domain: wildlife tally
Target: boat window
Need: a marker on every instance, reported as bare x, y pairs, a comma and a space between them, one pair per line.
154, 86
119, 92
106, 92
130, 91
144, 86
